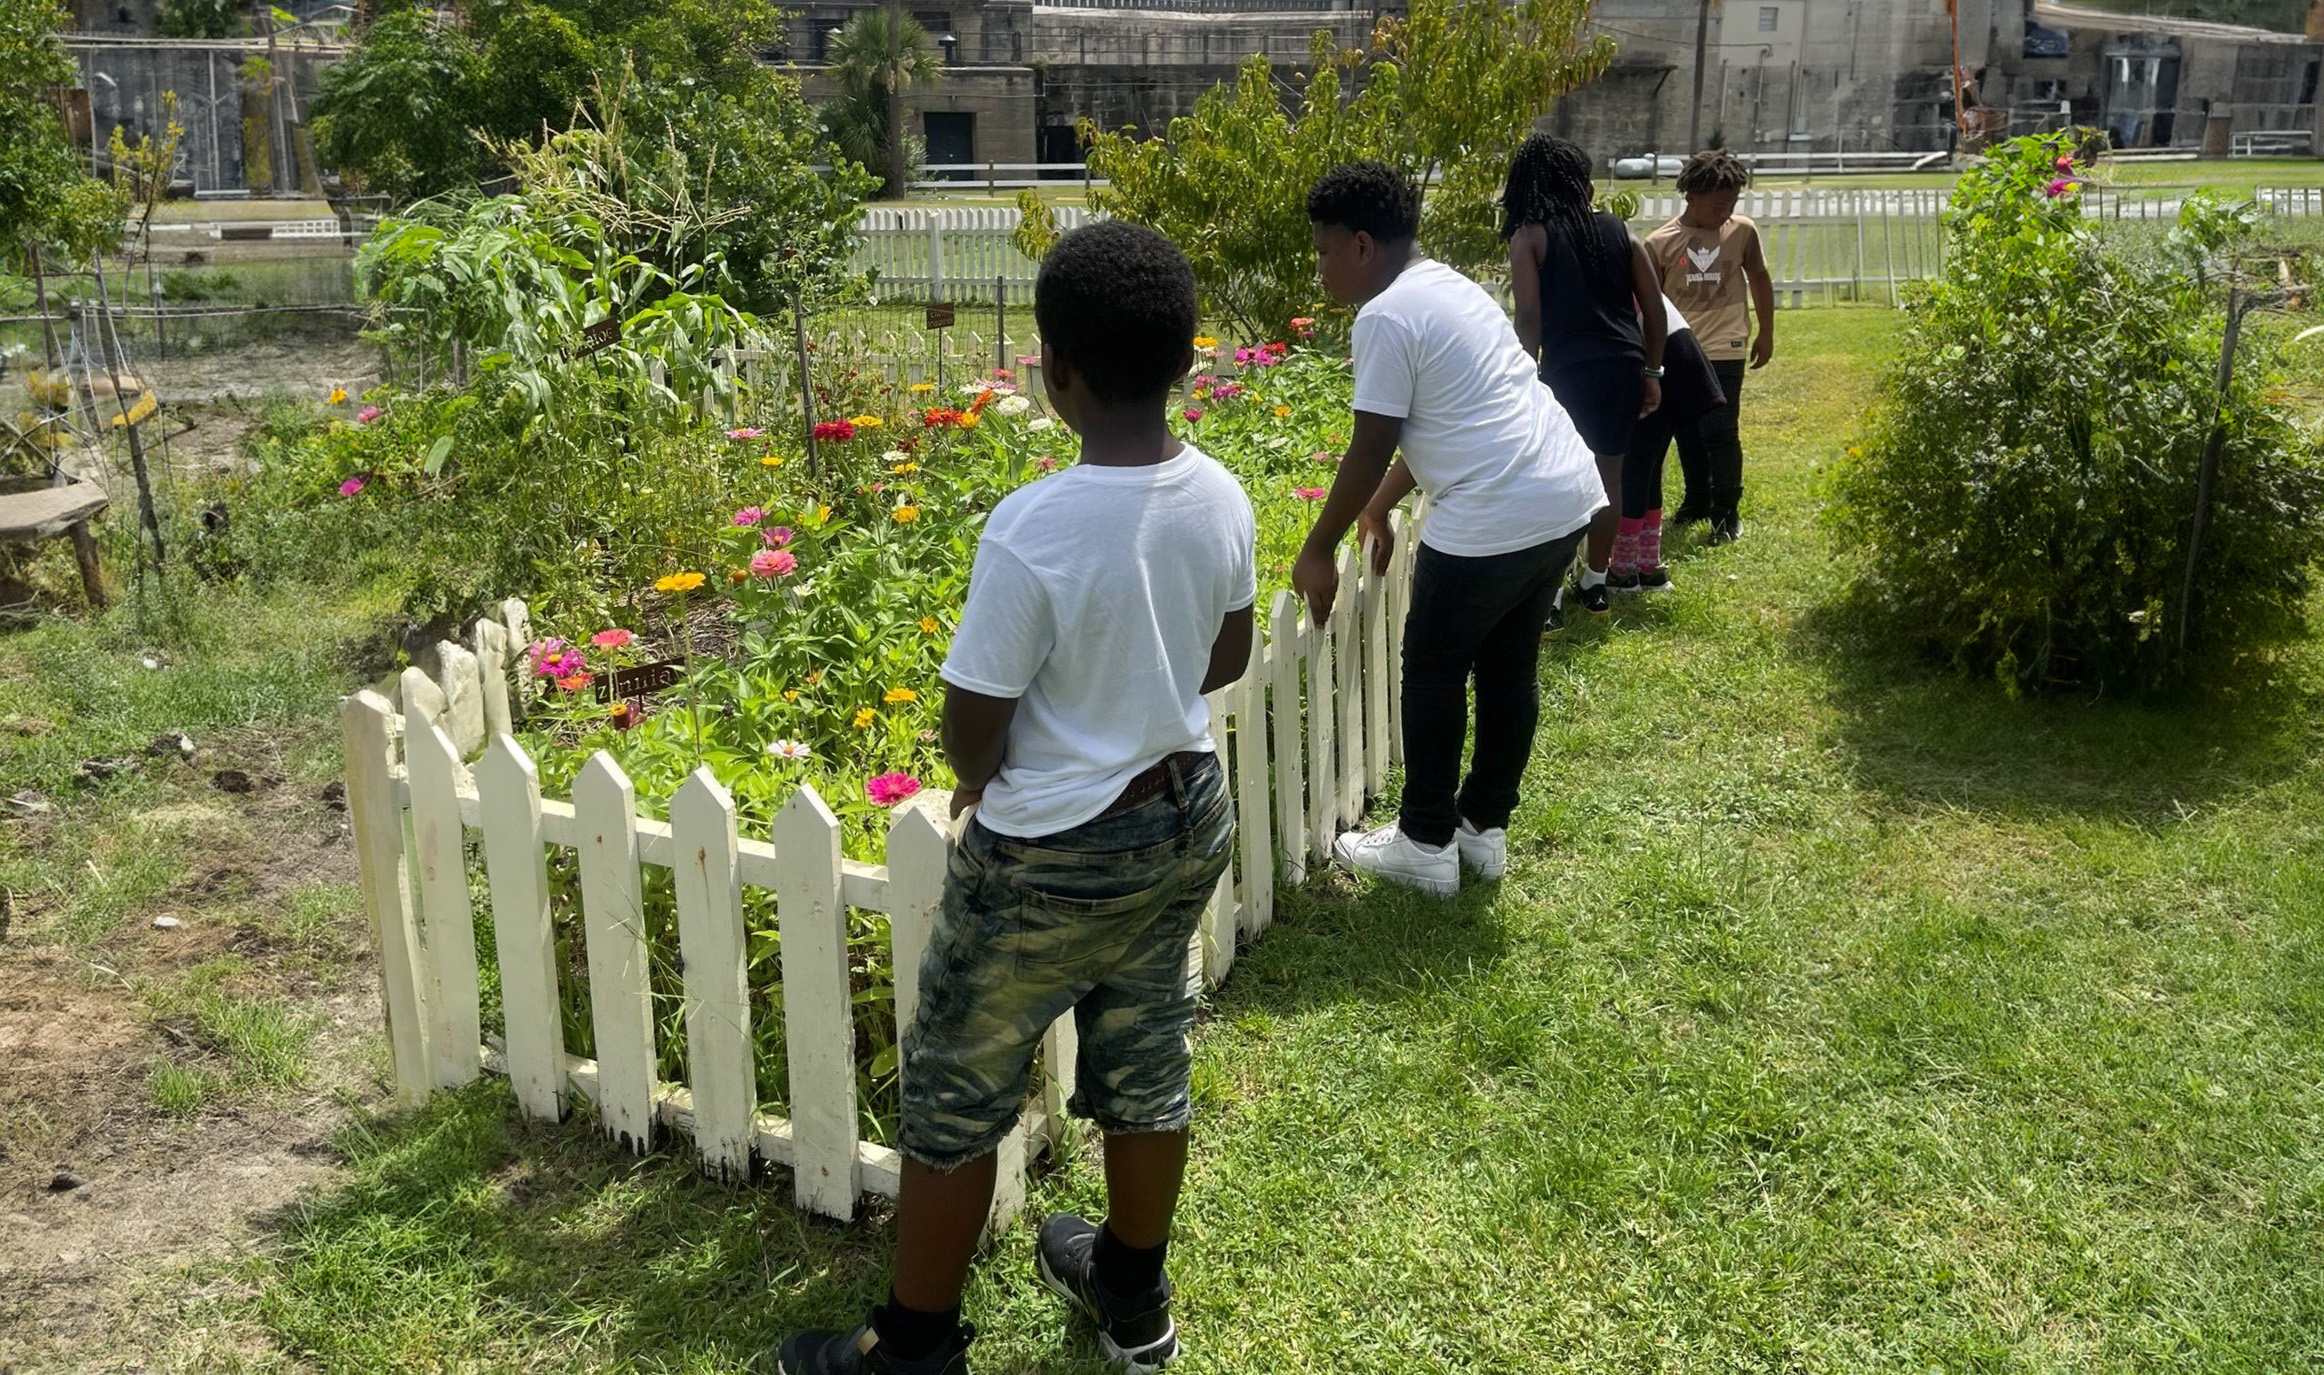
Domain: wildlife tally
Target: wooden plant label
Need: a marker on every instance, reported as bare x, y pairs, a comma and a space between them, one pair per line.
940, 315
630, 684
597, 338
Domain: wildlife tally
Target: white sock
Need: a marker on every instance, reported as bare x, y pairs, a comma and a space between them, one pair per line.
1593, 577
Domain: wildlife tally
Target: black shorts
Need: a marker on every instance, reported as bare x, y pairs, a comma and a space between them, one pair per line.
1602, 396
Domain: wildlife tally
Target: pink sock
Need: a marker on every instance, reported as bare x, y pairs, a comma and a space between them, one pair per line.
1650, 539
1626, 545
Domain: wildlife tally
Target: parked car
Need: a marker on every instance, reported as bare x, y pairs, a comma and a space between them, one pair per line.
1656, 165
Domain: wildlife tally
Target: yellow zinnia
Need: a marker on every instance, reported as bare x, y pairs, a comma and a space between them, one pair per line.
678, 582
971, 420
905, 469
896, 695
923, 388
1205, 341
928, 625
771, 461
338, 394
866, 422
1282, 412
790, 694
905, 515
864, 717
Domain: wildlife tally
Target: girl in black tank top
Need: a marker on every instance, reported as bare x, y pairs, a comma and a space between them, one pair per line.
1580, 281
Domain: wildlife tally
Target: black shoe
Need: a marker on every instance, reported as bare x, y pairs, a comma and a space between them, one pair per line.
1622, 583
1655, 579
1726, 529
1556, 622
1135, 1333
1593, 599
859, 1353
1689, 514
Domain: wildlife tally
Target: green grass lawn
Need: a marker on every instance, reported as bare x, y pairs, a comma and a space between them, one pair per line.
1837, 1015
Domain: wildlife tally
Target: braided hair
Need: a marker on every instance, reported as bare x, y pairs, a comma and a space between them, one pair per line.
1549, 185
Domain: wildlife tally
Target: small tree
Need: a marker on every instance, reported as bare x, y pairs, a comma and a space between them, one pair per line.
45, 197
876, 58
1445, 93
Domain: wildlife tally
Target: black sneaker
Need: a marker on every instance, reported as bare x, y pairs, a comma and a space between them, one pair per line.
859, 1353
1556, 621
1726, 529
1136, 1333
1622, 583
1594, 599
1655, 579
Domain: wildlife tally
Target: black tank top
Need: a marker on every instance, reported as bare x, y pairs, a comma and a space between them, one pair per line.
1588, 310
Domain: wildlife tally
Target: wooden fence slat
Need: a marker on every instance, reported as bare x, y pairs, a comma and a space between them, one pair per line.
1347, 644
455, 1034
508, 789
1377, 689
816, 1008
1323, 756
1284, 619
919, 852
1399, 605
376, 819
721, 1069
1254, 817
613, 920
1220, 921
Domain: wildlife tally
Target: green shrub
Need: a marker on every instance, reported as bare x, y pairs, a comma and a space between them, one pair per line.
2022, 496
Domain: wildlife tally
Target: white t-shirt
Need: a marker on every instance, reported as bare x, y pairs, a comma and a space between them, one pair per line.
1095, 599
1498, 458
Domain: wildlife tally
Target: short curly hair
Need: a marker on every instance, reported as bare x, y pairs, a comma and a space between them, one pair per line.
1367, 198
1116, 302
1713, 169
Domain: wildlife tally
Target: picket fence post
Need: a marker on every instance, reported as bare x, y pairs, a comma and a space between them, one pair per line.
1323, 792
818, 1025
1347, 644
1378, 688
376, 819
1220, 920
723, 1074
613, 918
1399, 605
1255, 818
508, 803
455, 1036
1284, 619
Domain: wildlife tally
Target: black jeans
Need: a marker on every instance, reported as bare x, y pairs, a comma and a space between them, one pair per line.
1480, 616
1710, 451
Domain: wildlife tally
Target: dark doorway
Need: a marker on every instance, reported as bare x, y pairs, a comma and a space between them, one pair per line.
1057, 143
951, 137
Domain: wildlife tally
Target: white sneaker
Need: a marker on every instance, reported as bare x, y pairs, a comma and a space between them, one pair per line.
1487, 852
1387, 854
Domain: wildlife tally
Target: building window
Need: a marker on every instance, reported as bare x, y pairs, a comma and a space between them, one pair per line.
1767, 18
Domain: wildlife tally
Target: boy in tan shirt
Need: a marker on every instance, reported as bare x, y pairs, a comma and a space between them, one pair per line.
1710, 262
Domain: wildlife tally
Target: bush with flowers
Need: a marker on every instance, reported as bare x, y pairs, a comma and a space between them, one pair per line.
2022, 497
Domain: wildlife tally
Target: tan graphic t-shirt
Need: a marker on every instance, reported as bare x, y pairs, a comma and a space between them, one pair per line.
1702, 273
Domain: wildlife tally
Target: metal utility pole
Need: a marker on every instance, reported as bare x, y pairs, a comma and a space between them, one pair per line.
1702, 50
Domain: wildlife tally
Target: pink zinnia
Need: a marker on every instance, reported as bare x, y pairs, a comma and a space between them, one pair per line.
1046, 465
611, 639
1308, 493
777, 537
891, 788
1193, 413
749, 515
774, 563
745, 432
546, 654
351, 486
1229, 391
368, 414
2059, 188
2065, 164
1324, 456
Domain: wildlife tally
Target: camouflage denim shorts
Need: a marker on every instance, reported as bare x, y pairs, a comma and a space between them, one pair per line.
1098, 920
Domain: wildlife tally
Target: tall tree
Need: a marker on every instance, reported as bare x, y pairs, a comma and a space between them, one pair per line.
877, 57
46, 199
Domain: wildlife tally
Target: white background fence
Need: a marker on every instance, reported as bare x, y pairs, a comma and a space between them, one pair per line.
1307, 735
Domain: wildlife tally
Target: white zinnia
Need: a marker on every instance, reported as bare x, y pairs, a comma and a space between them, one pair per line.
790, 749
1013, 405
1044, 423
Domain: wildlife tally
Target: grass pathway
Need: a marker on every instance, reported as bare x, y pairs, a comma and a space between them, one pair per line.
1836, 1016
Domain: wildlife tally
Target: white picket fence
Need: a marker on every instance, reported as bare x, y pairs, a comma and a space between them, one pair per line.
1307, 735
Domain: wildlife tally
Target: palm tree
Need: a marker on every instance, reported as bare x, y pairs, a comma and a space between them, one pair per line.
875, 59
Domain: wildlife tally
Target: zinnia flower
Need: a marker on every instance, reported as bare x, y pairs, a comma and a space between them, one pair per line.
678, 582
939, 416
905, 515
749, 516
1308, 493
368, 414
1040, 424
891, 788
2065, 164
776, 536
835, 431
928, 625
771, 461
1193, 413
773, 563
1013, 405
1205, 341
864, 716
351, 486
1324, 456
623, 715
611, 639
338, 394
1302, 326
922, 388
546, 655
905, 469
745, 432
1282, 412
901, 694
866, 422
2059, 188
794, 750
574, 682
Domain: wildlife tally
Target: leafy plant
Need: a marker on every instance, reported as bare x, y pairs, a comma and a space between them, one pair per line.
45, 197
2022, 498
877, 57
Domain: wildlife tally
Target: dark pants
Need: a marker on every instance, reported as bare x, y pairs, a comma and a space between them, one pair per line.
1710, 451
1478, 616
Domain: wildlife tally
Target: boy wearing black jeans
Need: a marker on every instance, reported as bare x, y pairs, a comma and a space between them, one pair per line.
1511, 489
1104, 602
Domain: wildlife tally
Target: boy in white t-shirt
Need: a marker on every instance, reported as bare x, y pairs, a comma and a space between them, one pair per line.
1511, 489
1105, 601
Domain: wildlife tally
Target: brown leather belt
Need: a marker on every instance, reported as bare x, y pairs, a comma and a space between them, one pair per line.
1151, 783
